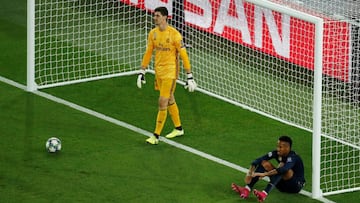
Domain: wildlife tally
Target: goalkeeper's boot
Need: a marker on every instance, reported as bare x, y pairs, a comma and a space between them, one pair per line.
261, 195
243, 191
152, 140
175, 133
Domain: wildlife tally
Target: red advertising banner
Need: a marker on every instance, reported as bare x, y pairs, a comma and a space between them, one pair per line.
270, 32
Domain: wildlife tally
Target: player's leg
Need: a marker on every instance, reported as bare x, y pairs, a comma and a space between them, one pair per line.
174, 112
175, 116
290, 183
165, 91
274, 180
263, 167
251, 181
279, 181
288, 175
166, 86
267, 165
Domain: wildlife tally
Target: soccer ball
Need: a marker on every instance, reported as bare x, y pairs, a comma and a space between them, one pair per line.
53, 144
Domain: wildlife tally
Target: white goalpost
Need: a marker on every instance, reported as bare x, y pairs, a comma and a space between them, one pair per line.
295, 61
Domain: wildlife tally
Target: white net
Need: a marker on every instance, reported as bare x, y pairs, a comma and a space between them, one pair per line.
340, 146
85, 39
340, 143
265, 60
246, 54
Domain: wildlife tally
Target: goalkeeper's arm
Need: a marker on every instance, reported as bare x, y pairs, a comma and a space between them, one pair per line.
190, 83
145, 62
141, 78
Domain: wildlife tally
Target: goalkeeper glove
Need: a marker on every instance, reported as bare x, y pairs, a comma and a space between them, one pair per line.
141, 78
190, 83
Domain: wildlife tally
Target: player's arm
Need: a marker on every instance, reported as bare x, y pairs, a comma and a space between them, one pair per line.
259, 160
145, 61
185, 58
267, 173
181, 49
282, 169
289, 164
190, 84
265, 157
249, 174
148, 52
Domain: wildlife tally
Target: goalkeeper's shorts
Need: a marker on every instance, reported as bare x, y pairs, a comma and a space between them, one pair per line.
165, 86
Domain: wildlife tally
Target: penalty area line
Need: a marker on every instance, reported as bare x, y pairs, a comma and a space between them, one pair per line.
141, 131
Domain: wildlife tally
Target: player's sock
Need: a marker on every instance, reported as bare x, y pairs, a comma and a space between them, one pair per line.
253, 182
259, 169
160, 121
273, 181
269, 187
175, 115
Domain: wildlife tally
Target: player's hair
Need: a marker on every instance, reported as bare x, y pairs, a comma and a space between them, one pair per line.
287, 139
162, 10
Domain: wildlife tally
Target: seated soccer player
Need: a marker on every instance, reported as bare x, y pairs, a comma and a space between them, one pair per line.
288, 176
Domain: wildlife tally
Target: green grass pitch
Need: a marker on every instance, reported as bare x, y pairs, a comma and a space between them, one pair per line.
103, 162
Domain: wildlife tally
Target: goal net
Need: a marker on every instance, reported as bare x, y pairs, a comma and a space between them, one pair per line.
82, 40
260, 55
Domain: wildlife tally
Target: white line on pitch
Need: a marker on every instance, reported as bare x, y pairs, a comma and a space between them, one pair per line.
141, 131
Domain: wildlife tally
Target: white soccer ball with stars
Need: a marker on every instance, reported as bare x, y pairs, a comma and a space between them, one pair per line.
53, 145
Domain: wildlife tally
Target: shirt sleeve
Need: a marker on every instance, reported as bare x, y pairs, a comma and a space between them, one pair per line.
289, 164
185, 58
268, 156
149, 50
180, 46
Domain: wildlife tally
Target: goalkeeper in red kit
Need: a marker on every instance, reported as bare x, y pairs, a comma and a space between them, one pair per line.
288, 176
167, 43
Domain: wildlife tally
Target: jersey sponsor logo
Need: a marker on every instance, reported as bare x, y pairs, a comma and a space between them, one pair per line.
162, 48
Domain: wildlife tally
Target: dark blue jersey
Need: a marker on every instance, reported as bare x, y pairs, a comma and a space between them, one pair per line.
291, 161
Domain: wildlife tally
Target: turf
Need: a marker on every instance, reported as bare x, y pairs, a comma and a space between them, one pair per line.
104, 162
99, 161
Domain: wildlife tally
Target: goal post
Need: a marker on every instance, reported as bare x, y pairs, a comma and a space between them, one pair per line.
317, 94
292, 61
31, 86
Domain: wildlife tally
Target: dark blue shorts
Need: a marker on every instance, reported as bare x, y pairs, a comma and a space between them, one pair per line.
293, 185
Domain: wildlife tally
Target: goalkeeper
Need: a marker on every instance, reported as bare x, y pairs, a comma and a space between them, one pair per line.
287, 177
167, 43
